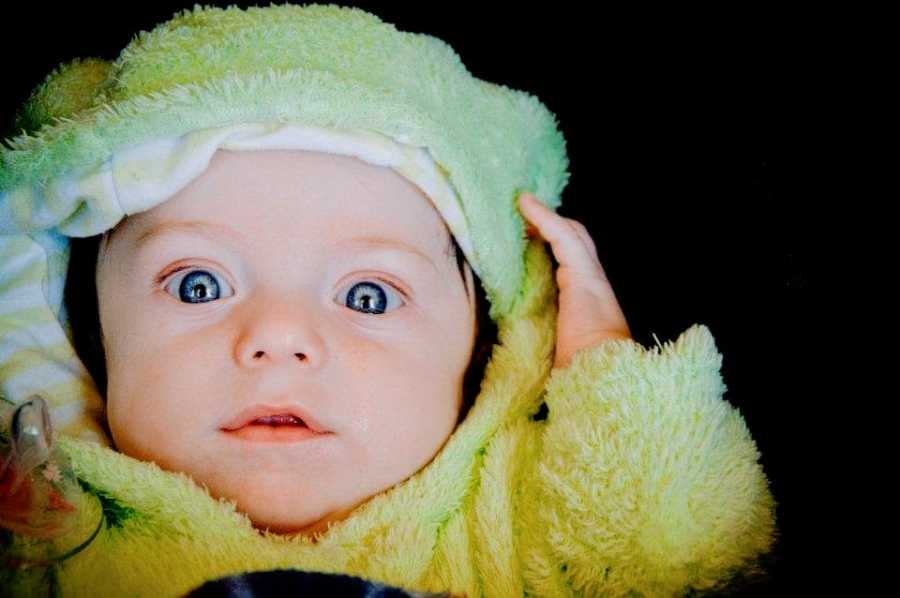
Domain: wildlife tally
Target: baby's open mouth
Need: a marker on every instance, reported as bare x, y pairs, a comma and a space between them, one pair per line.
275, 416
278, 420
276, 428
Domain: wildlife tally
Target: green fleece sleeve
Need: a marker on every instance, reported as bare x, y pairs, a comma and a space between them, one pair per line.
647, 480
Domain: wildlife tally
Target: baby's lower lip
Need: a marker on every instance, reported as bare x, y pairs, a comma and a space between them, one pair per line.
267, 433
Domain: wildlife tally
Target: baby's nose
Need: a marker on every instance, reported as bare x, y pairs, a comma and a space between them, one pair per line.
278, 332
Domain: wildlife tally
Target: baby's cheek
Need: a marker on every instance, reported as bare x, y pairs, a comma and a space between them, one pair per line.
423, 413
140, 404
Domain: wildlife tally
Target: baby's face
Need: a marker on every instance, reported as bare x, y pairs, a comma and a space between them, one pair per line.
256, 285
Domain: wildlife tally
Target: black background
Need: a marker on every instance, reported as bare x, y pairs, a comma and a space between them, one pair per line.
682, 132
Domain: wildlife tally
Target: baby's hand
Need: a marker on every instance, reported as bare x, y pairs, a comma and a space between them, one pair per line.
588, 311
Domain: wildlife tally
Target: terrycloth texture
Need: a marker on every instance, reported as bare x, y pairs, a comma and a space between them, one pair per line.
641, 478
343, 80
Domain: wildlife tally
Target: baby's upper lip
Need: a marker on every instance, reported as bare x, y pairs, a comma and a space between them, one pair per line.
259, 410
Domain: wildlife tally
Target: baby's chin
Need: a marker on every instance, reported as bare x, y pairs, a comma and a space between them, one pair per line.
295, 526
286, 510
292, 528
283, 513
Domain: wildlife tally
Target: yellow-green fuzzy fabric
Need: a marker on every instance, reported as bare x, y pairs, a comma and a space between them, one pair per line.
642, 479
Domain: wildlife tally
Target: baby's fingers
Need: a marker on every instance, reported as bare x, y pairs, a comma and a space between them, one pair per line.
588, 310
571, 242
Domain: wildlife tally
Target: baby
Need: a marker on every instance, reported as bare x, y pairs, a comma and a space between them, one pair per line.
271, 330
284, 225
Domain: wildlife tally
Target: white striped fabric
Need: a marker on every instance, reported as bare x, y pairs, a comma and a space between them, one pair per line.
36, 354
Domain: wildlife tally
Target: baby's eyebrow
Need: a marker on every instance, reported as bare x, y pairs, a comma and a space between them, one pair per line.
388, 243
210, 230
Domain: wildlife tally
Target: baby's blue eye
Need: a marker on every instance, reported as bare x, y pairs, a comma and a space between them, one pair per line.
369, 297
200, 286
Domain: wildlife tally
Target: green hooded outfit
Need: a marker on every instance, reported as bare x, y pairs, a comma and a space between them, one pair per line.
623, 473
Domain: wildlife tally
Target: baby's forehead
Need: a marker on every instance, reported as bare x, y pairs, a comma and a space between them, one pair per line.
330, 198
349, 235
